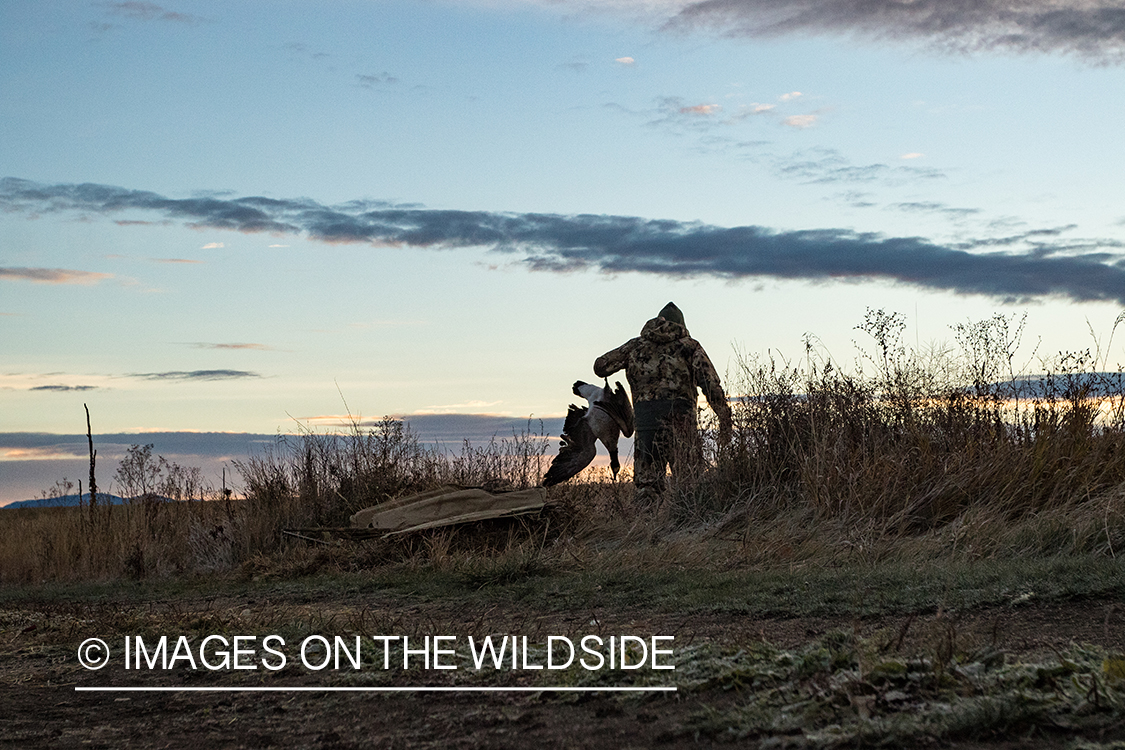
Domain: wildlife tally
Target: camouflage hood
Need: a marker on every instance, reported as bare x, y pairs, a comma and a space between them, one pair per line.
663, 331
665, 363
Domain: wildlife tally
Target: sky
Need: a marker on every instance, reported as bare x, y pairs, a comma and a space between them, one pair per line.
224, 222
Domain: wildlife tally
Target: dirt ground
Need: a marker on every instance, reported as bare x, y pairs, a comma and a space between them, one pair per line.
39, 672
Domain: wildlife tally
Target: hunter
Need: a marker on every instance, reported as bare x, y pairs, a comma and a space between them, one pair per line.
664, 366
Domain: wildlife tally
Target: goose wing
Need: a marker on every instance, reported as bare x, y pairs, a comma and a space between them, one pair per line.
576, 451
617, 404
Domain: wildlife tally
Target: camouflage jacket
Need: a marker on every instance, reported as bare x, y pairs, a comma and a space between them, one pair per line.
664, 362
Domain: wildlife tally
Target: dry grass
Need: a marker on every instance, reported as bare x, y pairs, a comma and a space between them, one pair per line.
941, 454
140, 540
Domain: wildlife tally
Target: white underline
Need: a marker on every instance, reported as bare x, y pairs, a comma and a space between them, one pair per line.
300, 689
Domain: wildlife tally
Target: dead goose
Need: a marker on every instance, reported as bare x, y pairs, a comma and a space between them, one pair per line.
609, 415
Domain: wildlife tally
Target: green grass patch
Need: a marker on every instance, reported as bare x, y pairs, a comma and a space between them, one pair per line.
842, 591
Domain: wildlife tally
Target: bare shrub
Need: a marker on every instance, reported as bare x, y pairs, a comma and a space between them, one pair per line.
518, 461
917, 443
942, 452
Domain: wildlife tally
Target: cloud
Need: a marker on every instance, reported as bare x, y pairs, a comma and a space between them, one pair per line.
453, 429
58, 382
378, 79
1089, 29
701, 109
746, 111
476, 405
43, 445
673, 112
387, 323
681, 250
825, 166
300, 48
30, 462
912, 155
143, 11
439, 427
213, 246
181, 260
790, 96
625, 60
800, 121
336, 420
61, 388
1091, 269
856, 199
52, 275
193, 448
936, 208
244, 214
40, 453
196, 375
256, 347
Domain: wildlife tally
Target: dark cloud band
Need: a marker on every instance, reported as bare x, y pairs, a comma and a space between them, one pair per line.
51, 275
551, 242
196, 375
1094, 29
448, 430
63, 388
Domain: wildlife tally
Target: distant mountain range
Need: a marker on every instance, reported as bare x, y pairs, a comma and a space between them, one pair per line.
64, 501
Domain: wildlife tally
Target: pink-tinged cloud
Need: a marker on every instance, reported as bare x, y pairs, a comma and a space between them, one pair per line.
476, 406
912, 155
175, 260
625, 60
52, 275
701, 109
39, 453
258, 347
800, 121
338, 420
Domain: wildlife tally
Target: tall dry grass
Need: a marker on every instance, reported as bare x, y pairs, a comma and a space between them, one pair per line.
305, 480
943, 451
949, 451
146, 538
321, 479
921, 439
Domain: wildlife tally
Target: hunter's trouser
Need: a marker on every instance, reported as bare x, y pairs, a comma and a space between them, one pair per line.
666, 435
